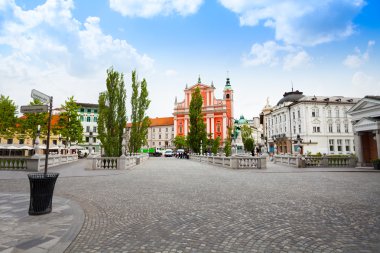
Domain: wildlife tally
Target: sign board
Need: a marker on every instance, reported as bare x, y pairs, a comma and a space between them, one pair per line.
40, 96
33, 108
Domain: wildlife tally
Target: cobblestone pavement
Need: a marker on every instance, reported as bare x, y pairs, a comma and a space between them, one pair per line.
170, 205
52, 232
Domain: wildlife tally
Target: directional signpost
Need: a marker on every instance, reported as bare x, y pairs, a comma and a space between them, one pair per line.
38, 109
33, 108
40, 96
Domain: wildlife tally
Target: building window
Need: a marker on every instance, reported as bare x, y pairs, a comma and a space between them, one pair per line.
166, 136
87, 139
21, 141
172, 128
87, 129
88, 119
94, 129
159, 143
338, 128
347, 142
94, 139
95, 119
89, 110
10, 141
166, 129
346, 128
172, 136
330, 128
228, 96
294, 115
54, 142
299, 128
299, 114
331, 144
329, 113
95, 111
339, 144
81, 109
337, 113
180, 129
154, 144
218, 127
159, 130
316, 129
159, 137
81, 118
294, 129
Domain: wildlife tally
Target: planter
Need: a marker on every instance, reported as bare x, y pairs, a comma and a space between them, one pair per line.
376, 166
41, 192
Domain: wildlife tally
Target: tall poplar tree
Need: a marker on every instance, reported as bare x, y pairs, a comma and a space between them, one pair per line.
8, 118
140, 121
197, 126
69, 125
112, 113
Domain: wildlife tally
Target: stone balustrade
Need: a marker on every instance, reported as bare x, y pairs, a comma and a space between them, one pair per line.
35, 163
234, 162
313, 161
115, 163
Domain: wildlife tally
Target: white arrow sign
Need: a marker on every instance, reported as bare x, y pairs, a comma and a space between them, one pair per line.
33, 108
40, 96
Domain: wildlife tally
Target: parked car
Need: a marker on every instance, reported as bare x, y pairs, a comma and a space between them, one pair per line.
168, 153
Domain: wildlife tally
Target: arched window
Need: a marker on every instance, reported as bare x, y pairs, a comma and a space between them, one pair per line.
227, 96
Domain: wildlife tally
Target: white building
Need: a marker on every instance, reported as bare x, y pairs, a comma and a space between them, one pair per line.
88, 114
314, 124
160, 133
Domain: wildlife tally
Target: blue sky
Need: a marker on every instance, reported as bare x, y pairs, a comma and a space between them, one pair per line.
63, 48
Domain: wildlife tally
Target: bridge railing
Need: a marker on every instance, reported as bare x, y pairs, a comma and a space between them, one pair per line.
235, 162
314, 161
36, 163
115, 163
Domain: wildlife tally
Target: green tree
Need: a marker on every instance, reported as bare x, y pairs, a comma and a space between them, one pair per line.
140, 121
249, 144
69, 125
8, 118
30, 121
197, 132
227, 144
112, 113
180, 141
246, 132
215, 145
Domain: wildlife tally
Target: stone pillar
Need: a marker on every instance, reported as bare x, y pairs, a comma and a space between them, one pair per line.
358, 148
212, 126
378, 143
175, 126
185, 126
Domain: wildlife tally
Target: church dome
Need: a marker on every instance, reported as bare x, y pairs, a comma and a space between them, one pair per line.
291, 96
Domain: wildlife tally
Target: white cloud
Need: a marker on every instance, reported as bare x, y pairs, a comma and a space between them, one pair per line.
150, 8
47, 48
365, 84
170, 73
358, 59
271, 53
299, 22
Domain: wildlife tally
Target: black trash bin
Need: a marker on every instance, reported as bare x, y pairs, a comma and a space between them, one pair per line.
41, 192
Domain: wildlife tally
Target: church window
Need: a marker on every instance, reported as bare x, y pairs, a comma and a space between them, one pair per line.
227, 96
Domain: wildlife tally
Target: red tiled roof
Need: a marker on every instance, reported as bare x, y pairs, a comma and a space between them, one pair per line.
166, 121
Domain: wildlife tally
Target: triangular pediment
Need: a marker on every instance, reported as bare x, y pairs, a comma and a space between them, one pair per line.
365, 103
200, 85
364, 122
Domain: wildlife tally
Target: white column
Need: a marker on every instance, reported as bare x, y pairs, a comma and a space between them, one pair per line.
185, 127
207, 125
212, 126
225, 126
358, 148
175, 126
378, 143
